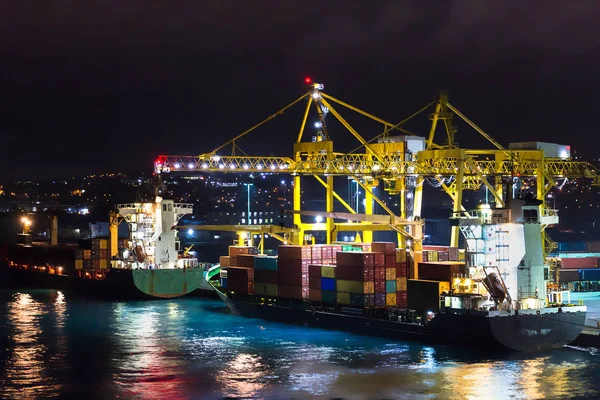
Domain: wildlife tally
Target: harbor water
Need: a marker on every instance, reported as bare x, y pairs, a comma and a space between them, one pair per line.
55, 345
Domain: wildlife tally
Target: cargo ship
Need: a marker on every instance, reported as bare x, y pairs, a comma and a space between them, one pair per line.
492, 295
149, 264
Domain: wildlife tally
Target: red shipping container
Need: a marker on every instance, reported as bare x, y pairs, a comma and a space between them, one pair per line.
291, 292
245, 260
401, 298
379, 286
443, 256
297, 266
402, 270
579, 263
292, 279
327, 261
379, 260
265, 276
314, 271
390, 261
314, 283
352, 273
326, 252
441, 271
355, 258
314, 294
379, 273
387, 248
240, 280
291, 252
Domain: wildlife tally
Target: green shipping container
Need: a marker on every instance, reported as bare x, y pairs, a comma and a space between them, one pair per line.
328, 296
390, 286
268, 263
328, 271
357, 299
265, 289
350, 286
342, 298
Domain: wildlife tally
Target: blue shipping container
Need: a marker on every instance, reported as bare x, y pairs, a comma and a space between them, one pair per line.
589, 274
327, 284
572, 246
268, 263
224, 283
390, 286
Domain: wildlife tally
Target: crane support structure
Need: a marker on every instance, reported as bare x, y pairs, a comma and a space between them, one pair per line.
387, 163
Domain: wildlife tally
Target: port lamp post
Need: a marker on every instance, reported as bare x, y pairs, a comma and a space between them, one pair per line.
248, 186
26, 224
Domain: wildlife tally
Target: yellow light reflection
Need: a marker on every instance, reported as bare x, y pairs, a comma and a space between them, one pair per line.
26, 369
241, 377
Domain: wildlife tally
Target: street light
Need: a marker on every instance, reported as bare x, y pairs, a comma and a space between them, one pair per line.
248, 185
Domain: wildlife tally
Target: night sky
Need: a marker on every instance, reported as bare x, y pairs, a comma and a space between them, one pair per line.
92, 86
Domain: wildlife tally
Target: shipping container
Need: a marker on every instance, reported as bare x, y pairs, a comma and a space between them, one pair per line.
390, 286
369, 287
379, 273
343, 298
79, 264
390, 261
314, 271
328, 296
424, 295
386, 248
245, 260
380, 299
292, 252
350, 286
265, 276
402, 270
240, 280
328, 284
400, 255
401, 284
314, 294
224, 261
593, 247
441, 271
355, 273
379, 260
568, 275
224, 283
314, 283
292, 279
355, 259
401, 298
103, 244
579, 263
572, 246
266, 263
293, 292
589, 274
390, 274
265, 289
103, 264
234, 251
453, 253
328, 271
390, 299
379, 285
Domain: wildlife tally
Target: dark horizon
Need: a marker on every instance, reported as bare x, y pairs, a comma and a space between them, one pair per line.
100, 86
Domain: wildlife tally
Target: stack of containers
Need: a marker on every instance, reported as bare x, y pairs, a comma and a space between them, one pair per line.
322, 283
265, 276
292, 271
441, 271
79, 259
355, 274
388, 250
401, 277
440, 253
99, 253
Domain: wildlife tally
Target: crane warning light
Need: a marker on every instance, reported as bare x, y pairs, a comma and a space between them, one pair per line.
308, 80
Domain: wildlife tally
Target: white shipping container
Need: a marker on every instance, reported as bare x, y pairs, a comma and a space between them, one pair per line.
551, 150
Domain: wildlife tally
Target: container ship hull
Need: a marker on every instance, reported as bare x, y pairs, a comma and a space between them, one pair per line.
521, 332
117, 284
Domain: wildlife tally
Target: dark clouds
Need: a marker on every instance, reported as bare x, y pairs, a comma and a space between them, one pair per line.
110, 84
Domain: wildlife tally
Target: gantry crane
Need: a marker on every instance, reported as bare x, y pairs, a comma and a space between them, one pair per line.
388, 163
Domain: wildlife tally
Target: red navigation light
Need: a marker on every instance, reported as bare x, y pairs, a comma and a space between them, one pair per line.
308, 80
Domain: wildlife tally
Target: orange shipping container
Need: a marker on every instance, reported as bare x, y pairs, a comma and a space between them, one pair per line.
400, 255
390, 299
314, 294
387, 248
224, 261
390, 274
369, 287
401, 284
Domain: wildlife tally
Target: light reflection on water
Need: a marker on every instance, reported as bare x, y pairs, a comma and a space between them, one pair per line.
53, 344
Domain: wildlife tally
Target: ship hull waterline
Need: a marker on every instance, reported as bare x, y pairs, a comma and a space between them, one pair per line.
521, 332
